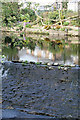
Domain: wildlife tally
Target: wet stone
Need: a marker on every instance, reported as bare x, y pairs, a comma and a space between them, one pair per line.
70, 100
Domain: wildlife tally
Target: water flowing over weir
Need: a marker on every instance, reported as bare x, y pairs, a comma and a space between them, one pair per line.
38, 91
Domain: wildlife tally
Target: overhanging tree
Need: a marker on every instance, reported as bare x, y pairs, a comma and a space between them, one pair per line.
10, 12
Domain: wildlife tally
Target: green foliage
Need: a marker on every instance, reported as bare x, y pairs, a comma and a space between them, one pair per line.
28, 25
70, 13
75, 22
46, 22
20, 27
64, 5
3, 56
63, 29
54, 48
72, 22
30, 12
10, 12
26, 61
28, 5
31, 45
7, 51
25, 17
66, 23
62, 17
23, 64
53, 15
4, 24
38, 63
40, 23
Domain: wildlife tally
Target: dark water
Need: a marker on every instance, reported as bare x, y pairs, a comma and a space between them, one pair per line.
40, 49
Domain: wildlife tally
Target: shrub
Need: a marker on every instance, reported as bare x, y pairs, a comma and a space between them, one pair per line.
63, 29
28, 25
31, 14
53, 15
19, 27
4, 24
66, 23
63, 17
75, 22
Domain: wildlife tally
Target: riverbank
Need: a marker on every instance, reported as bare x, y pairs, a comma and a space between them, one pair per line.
72, 32
40, 91
57, 36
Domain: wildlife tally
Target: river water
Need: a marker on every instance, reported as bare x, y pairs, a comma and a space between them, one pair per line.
35, 91
43, 49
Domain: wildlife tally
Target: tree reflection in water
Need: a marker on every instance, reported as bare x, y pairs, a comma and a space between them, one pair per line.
79, 52
10, 53
54, 49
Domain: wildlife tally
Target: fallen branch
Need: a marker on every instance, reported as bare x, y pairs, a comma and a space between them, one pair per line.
66, 19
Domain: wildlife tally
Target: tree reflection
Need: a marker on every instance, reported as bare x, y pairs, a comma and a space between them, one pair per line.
79, 52
62, 50
11, 54
40, 43
31, 45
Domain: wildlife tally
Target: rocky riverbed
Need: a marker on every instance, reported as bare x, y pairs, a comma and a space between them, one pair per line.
35, 91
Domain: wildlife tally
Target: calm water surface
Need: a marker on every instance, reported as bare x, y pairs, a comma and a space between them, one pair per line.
40, 49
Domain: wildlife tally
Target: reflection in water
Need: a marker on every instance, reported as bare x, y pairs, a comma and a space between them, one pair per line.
60, 51
10, 53
79, 53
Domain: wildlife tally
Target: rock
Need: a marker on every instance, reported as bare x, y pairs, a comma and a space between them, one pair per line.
16, 61
72, 65
62, 68
50, 68
63, 89
32, 62
62, 80
9, 107
56, 64
70, 100
66, 65
65, 68
48, 63
70, 116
